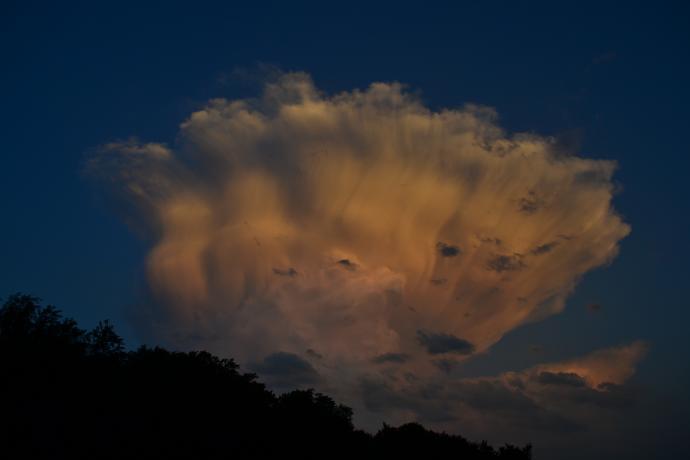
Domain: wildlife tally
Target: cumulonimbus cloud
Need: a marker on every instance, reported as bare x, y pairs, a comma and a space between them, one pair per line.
347, 224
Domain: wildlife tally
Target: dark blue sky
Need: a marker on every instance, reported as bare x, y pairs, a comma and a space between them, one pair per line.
609, 82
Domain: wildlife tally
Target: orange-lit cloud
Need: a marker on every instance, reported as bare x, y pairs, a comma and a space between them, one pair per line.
361, 227
612, 365
560, 402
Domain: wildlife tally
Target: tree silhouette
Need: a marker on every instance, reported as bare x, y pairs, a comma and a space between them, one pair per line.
103, 340
68, 393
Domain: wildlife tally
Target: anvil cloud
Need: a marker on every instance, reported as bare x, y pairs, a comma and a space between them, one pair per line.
361, 233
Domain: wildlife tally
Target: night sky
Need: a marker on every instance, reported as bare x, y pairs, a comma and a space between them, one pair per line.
474, 216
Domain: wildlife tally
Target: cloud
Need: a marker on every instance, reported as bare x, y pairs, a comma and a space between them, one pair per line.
347, 264
285, 272
380, 397
300, 220
530, 203
447, 250
398, 358
609, 366
503, 263
544, 248
314, 353
533, 404
445, 365
491, 396
560, 378
286, 370
436, 343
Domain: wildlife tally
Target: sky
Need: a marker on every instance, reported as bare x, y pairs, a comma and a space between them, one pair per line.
471, 215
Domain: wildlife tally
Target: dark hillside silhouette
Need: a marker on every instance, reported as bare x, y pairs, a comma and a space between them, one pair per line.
70, 394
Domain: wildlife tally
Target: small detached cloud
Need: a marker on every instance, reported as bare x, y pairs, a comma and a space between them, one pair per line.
608, 366
436, 343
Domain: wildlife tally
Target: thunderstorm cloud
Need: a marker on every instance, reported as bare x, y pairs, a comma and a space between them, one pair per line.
301, 221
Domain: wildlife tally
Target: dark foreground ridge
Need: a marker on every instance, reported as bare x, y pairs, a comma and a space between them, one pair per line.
68, 394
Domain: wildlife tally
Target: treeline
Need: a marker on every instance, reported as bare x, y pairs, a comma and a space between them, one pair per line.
71, 393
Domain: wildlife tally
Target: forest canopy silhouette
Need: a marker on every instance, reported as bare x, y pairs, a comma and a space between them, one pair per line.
72, 393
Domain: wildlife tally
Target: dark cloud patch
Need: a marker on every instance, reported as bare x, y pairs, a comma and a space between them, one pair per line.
511, 405
544, 248
505, 263
397, 358
607, 396
285, 272
447, 250
427, 401
347, 264
445, 365
312, 353
494, 396
438, 281
437, 344
607, 386
516, 382
530, 204
410, 377
380, 397
561, 378
284, 369
571, 388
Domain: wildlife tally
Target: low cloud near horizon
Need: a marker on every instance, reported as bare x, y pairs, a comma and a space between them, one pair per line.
372, 244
